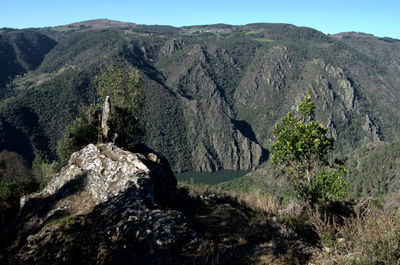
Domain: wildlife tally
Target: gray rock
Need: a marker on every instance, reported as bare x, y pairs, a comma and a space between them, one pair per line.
106, 206
371, 130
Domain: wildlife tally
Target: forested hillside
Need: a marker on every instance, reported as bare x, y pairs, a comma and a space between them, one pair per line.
212, 92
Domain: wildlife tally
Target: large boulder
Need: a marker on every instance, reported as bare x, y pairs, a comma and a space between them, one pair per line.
106, 206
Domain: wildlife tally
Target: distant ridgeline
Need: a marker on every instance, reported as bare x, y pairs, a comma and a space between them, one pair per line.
212, 92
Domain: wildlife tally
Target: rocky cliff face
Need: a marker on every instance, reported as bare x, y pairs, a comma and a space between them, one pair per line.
219, 144
213, 93
215, 139
106, 206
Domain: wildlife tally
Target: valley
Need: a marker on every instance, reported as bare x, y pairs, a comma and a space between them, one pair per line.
204, 186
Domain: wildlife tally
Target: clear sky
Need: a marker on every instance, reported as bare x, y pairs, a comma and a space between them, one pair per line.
378, 17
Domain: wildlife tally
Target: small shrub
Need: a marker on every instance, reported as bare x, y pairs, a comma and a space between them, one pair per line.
9, 188
10, 191
126, 96
369, 236
82, 131
375, 238
325, 226
43, 171
302, 146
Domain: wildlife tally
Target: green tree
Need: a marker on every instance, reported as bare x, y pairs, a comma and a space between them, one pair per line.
8, 186
15, 181
42, 170
302, 147
126, 97
82, 131
124, 89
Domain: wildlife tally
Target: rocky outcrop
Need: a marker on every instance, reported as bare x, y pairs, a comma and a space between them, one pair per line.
371, 130
220, 145
106, 206
110, 206
346, 90
171, 46
105, 118
265, 79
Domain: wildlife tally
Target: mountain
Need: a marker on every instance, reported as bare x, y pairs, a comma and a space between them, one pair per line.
213, 92
100, 24
20, 52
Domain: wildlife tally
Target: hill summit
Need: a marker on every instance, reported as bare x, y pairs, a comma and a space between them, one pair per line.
100, 24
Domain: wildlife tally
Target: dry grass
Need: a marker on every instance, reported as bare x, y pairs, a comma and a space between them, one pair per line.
256, 200
371, 239
325, 226
270, 259
368, 237
260, 202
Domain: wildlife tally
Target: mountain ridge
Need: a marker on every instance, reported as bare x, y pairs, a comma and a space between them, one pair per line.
101, 23
214, 92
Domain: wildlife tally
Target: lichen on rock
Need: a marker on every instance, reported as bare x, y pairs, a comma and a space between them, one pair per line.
106, 206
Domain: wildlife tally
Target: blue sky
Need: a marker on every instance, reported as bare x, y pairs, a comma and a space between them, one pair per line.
378, 17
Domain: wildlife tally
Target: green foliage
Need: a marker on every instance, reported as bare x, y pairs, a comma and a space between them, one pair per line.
8, 188
123, 88
302, 147
83, 49
126, 124
262, 40
36, 164
36, 118
377, 177
15, 181
21, 51
10, 191
82, 131
61, 29
327, 185
126, 96
42, 170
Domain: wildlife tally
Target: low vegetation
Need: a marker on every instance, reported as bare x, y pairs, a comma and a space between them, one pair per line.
210, 178
334, 231
15, 180
379, 166
302, 147
126, 99
363, 232
61, 29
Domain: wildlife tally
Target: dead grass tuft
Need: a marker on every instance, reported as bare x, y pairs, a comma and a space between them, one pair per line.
368, 237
